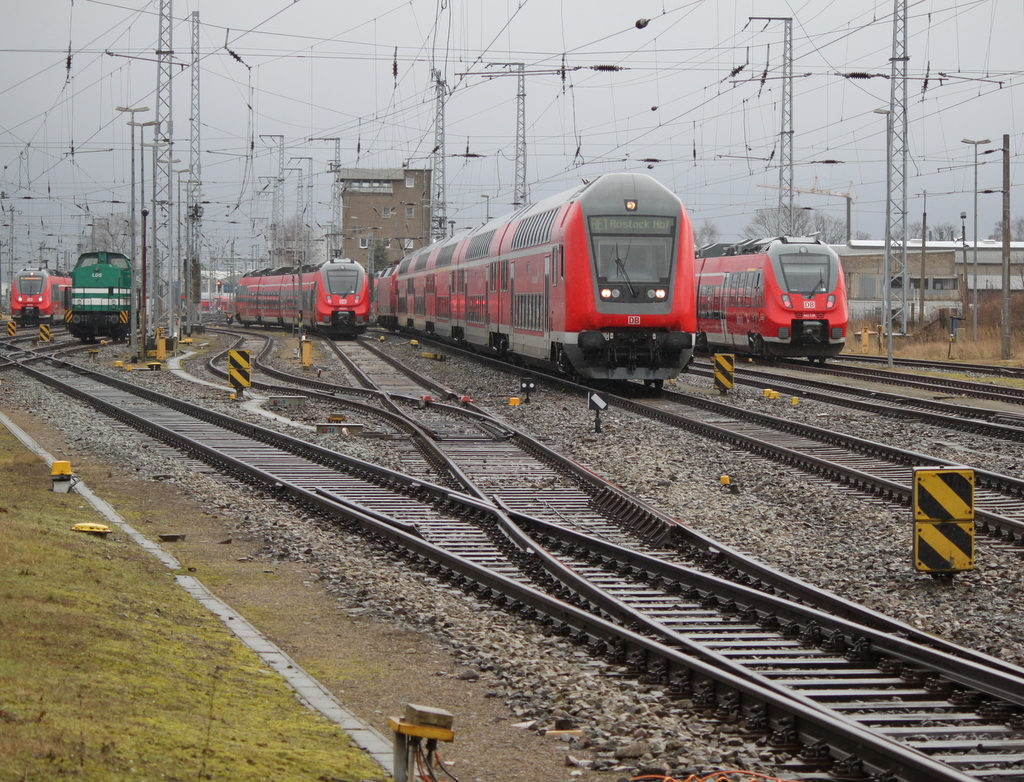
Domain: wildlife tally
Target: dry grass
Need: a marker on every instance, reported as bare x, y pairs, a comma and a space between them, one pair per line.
108, 670
932, 342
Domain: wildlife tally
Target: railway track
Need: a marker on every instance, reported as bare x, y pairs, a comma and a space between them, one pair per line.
938, 384
774, 666
1000, 424
875, 469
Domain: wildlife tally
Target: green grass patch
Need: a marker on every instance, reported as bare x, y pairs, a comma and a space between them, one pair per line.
109, 670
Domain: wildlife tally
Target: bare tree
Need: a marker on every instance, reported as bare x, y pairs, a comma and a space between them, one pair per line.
106, 234
706, 234
774, 222
944, 232
829, 228
1016, 230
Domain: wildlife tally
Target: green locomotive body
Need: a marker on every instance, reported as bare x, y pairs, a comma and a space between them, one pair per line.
99, 302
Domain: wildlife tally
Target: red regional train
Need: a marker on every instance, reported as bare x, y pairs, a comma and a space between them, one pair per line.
772, 298
37, 296
596, 282
332, 299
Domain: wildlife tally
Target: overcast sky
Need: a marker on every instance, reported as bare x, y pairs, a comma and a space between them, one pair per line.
698, 92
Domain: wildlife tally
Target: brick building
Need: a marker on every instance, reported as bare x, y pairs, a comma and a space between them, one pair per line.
389, 205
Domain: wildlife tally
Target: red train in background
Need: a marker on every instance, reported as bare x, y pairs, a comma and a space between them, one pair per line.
332, 299
37, 296
772, 298
597, 282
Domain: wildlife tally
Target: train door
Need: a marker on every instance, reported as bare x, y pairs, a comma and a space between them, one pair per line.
546, 300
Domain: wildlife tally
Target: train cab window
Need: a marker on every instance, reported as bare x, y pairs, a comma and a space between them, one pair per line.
807, 272
30, 285
343, 282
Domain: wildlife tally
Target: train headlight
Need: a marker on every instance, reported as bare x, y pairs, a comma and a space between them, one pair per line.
328, 299
831, 301
660, 293
357, 299
650, 293
606, 293
616, 293
786, 301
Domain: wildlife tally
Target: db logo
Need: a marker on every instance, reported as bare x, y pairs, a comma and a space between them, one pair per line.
633, 320
808, 305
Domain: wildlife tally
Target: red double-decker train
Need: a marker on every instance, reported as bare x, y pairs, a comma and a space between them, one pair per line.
37, 296
772, 298
596, 282
332, 299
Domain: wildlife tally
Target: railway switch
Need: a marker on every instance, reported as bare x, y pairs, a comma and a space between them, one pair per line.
419, 723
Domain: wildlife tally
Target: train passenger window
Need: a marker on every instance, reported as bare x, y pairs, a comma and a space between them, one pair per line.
504, 275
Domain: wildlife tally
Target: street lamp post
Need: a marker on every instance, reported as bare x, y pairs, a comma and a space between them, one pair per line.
133, 338
887, 261
974, 307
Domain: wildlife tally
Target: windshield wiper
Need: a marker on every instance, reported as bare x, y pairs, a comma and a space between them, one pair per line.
622, 269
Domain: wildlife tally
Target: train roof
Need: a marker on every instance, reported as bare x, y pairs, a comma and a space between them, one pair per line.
755, 246
281, 271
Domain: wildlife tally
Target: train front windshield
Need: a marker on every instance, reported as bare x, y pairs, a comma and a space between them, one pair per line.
343, 282
633, 251
30, 285
807, 272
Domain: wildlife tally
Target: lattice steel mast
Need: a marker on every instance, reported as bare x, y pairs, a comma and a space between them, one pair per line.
162, 173
194, 219
521, 196
786, 192
439, 215
894, 291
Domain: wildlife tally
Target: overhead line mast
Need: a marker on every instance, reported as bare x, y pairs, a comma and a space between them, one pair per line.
786, 134
162, 182
895, 283
194, 221
438, 207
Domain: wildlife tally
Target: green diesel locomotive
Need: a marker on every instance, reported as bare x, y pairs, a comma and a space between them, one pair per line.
99, 301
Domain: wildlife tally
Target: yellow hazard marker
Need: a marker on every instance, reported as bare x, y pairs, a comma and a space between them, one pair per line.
725, 480
767, 393
725, 372
943, 499
795, 401
92, 528
514, 401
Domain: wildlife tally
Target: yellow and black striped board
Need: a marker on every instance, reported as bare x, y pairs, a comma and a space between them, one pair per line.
11, 328
123, 315
239, 369
725, 371
943, 494
943, 546
44, 332
68, 314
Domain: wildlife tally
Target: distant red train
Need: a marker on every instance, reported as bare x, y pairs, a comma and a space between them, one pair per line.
332, 299
596, 282
773, 298
37, 296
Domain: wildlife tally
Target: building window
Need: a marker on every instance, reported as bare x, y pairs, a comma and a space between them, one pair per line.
410, 181
944, 283
408, 244
410, 212
387, 244
387, 211
364, 242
